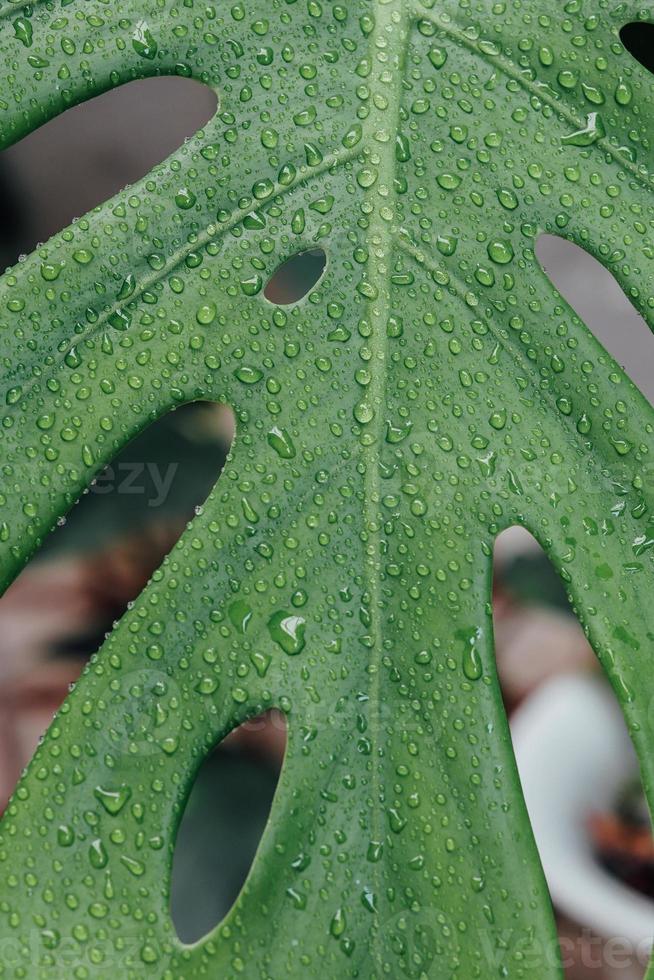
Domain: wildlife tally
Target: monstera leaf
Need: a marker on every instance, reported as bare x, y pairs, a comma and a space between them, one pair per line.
431, 390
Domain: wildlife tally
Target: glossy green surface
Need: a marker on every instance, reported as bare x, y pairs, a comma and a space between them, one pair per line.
432, 390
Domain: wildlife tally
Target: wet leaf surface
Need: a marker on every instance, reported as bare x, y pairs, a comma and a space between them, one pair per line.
430, 391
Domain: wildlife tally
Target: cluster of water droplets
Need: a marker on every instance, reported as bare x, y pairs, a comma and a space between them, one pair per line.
430, 390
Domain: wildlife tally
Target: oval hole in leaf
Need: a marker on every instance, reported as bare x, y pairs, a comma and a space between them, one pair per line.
224, 819
598, 300
296, 277
638, 39
59, 609
87, 154
577, 767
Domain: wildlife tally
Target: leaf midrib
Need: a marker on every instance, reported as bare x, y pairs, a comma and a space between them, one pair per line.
391, 35
339, 158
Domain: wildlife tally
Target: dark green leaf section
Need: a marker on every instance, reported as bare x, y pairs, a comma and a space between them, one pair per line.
431, 391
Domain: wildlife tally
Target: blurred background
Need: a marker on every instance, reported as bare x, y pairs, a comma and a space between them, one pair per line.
579, 775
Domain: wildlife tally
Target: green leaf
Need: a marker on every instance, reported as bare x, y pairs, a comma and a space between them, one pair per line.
435, 390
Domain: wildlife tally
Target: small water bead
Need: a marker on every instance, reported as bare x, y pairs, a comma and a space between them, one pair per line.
364, 412
185, 198
353, 136
287, 630
281, 442
567, 79
260, 661
207, 685
120, 320
584, 424
471, 660
206, 314
338, 923
447, 244
592, 132
420, 106
448, 181
507, 198
252, 285
133, 865
593, 94
312, 155
398, 433
65, 835
98, 854
83, 256
240, 615
621, 446
498, 419
24, 30
144, 42
500, 251
367, 177
402, 148
51, 271
113, 800
149, 954
269, 138
265, 188
248, 375
306, 116
396, 821
623, 92
210, 152
437, 56
493, 139
250, 514
287, 175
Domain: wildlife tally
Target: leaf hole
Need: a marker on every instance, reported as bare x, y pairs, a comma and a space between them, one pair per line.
638, 39
536, 635
59, 609
223, 822
578, 770
599, 301
87, 154
295, 278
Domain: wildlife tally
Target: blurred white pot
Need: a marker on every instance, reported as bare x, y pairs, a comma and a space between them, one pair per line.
574, 755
